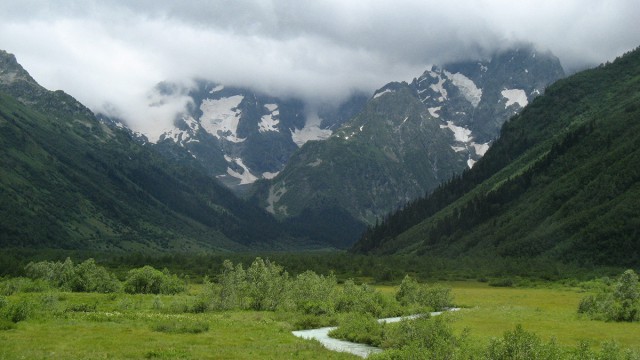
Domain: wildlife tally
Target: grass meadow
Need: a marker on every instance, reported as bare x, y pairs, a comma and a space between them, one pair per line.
65, 325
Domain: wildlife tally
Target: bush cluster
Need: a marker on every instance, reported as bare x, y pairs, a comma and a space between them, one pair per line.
264, 285
90, 277
435, 298
618, 302
148, 280
83, 277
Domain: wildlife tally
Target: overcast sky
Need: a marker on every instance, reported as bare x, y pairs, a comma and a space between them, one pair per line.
109, 54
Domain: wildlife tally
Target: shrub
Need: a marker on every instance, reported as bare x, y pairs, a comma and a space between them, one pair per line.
19, 311
522, 345
148, 280
424, 338
313, 294
84, 277
262, 286
361, 299
434, 297
359, 328
619, 302
266, 284
408, 292
20, 284
93, 278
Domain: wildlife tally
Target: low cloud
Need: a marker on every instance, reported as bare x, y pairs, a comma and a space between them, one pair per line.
110, 55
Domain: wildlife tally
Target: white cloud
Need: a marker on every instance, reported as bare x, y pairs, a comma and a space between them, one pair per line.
115, 52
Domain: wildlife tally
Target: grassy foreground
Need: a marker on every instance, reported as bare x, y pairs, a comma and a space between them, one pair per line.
548, 312
87, 325
152, 327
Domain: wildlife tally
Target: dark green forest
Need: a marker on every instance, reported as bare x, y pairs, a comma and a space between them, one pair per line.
561, 182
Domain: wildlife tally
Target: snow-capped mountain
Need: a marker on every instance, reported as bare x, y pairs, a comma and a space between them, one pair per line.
410, 138
241, 136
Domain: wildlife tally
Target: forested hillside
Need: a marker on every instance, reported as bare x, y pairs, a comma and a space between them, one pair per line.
69, 181
562, 181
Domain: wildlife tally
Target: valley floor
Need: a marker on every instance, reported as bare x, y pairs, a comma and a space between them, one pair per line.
88, 325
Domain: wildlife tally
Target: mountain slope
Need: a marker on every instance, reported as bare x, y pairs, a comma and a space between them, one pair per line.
562, 181
239, 135
70, 181
409, 138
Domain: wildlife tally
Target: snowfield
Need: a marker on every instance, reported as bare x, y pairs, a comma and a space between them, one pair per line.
310, 131
467, 87
270, 121
461, 134
515, 96
439, 88
246, 177
220, 117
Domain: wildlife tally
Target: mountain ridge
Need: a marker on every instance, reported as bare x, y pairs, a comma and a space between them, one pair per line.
560, 182
409, 138
72, 181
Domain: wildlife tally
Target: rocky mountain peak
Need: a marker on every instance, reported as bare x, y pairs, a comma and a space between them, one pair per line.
11, 71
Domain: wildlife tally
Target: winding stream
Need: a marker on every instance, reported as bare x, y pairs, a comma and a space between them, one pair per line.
362, 350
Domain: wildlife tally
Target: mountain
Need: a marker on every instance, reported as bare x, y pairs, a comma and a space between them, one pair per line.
68, 180
239, 135
408, 139
561, 182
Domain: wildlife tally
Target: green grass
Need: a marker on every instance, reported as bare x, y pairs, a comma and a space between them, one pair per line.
548, 312
123, 326
135, 327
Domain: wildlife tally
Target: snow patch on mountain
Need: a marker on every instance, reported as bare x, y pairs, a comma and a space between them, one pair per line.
220, 117
460, 133
216, 89
434, 111
246, 177
270, 175
480, 149
270, 121
439, 88
464, 136
514, 96
310, 131
387, 91
275, 193
467, 87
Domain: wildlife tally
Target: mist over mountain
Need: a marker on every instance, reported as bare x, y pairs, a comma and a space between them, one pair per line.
240, 136
408, 139
318, 52
72, 181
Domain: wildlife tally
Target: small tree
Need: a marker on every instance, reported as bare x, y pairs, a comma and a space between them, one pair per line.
232, 284
626, 295
148, 280
621, 302
435, 297
313, 294
266, 284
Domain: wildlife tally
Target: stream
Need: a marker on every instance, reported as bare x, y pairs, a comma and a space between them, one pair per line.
362, 350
